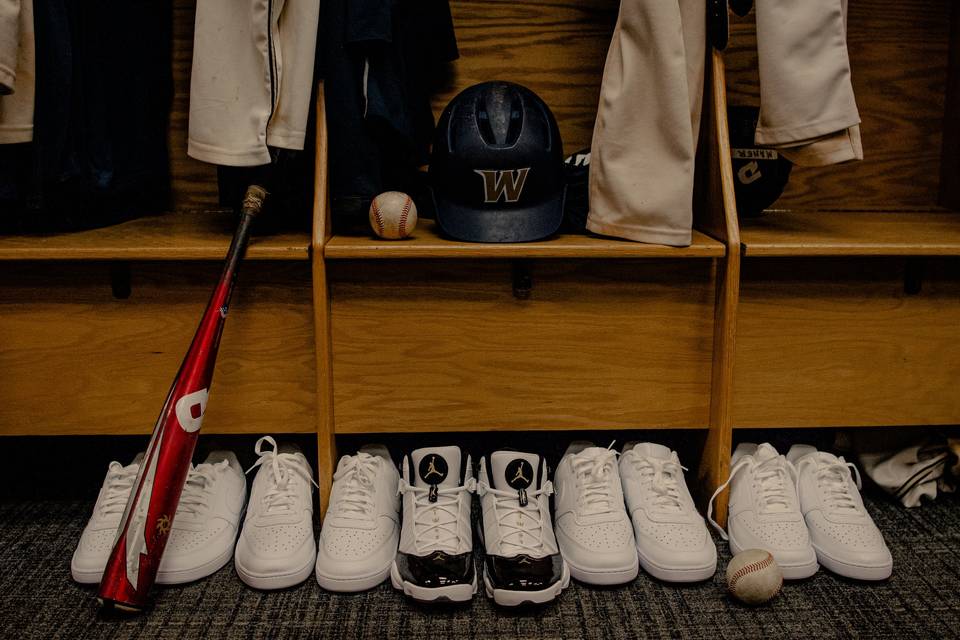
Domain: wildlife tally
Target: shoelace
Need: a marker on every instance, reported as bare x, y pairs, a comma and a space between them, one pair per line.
286, 470
664, 477
833, 478
196, 490
357, 475
519, 526
774, 478
594, 469
436, 525
119, 482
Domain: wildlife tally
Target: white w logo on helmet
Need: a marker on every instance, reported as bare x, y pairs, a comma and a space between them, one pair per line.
506, 184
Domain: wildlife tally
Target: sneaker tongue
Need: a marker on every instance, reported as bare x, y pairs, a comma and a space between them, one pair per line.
765, 452
514, 470
652, 450
436, 465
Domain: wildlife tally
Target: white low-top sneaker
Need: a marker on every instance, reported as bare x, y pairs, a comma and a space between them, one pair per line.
358, 541
592, 527
522, 563
277, 548
672, 538
764, 510
844, 536
208, 516
96, 541
434, 562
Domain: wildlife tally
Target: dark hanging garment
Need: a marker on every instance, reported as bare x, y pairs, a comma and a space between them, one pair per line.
382, 60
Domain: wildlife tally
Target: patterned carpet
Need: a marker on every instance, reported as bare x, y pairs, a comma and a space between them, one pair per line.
922, 600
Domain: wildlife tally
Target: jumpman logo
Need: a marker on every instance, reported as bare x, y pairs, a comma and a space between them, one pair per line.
431, 469
519, 475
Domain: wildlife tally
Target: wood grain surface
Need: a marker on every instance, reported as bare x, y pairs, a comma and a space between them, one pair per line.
853, 233
555, 47
195, 235
950, 163
899, 53
427, 242
837, 342
75, 360
441, 346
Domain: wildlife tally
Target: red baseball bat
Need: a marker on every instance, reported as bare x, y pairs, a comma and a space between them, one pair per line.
132, 567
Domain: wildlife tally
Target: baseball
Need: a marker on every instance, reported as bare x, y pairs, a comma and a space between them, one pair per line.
753, 577
393, 215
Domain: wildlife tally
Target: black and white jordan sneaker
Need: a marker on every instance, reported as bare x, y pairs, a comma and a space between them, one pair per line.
435, 560
523, 564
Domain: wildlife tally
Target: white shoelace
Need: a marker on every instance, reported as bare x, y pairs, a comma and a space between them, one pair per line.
195, 498
119, 482
357, 475
286, 471
665, 477
833, 479
594, 469
775, 478
436, 525
521, 528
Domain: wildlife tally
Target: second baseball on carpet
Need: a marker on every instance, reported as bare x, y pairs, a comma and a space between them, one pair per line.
393, 215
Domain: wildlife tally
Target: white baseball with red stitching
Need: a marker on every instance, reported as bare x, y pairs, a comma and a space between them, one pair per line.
753, 576
393, 215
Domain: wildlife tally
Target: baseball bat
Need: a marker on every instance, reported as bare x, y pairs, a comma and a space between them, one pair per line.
142, 535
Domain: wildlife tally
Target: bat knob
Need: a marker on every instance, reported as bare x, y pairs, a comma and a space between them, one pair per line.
253, 200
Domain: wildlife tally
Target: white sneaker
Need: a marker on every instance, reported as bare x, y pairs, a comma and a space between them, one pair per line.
276, 548
435, 560
96, 541
358, 542
764, 510
207, 519
592, 527
844, 536
672, 538
522, 564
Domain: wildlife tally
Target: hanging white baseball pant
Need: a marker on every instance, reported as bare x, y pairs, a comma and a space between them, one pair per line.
17, 69
807, 107
252, 78
645, 137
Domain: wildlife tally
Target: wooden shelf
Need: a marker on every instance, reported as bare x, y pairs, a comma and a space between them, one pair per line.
426, 242
852, 233
198, 235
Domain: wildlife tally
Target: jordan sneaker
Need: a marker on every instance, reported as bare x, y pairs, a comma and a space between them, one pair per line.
591, 524
522, 564
764, 510
672, 538
434, 562
845, 538
96, 541
277, 548
207, 520
361, 531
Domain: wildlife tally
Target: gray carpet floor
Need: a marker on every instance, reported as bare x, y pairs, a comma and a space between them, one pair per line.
922, 600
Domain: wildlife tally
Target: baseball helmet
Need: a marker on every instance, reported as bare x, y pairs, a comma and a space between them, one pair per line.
496, 171
760, 174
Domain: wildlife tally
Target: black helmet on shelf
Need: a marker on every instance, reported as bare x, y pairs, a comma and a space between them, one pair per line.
496, 170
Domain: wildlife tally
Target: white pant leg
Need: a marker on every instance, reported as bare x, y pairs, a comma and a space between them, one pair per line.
808, 109
17, 71
298, 41
644, 139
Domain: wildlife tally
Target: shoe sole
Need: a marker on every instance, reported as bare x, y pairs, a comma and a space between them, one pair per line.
508, 598
432, 595
192, 574
342, 584
674, 574
273, 582
86, 577
855, 571
789, 571
604, 577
